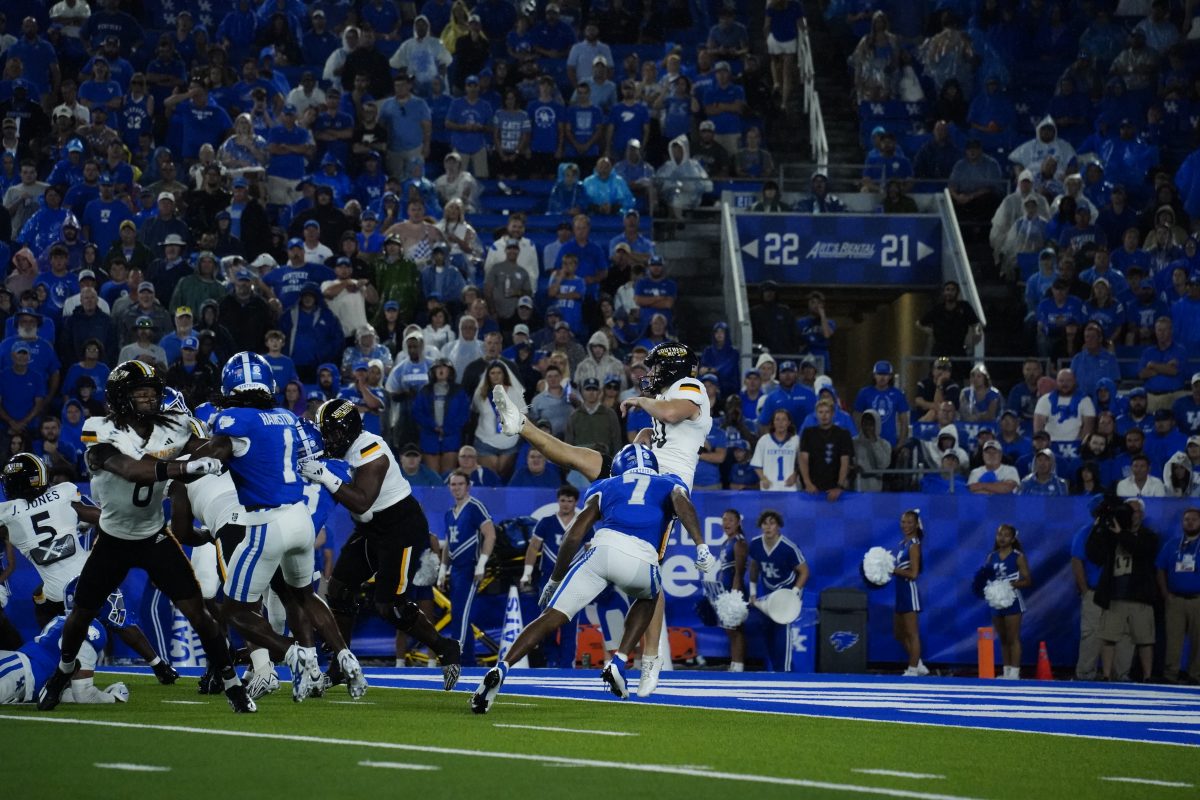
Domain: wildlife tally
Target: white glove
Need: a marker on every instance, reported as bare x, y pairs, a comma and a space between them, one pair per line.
119, 691
547, 593
526, 582
203, 466
314, 470
705, 561
481, 566
4, 595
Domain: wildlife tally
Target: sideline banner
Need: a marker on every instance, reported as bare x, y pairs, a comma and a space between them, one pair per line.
841, 249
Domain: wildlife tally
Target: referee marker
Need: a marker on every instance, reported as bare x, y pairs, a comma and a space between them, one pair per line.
132, 767
1149, 782
891, 773
564, 730
399, 765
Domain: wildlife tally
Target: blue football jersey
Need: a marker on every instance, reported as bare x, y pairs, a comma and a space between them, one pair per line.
777, 566
462, 531
638, 505
551, 531
266, 451
43, 652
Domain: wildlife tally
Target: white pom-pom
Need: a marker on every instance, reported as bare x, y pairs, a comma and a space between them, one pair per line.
878, 565
731, 609
999, 594
427, 573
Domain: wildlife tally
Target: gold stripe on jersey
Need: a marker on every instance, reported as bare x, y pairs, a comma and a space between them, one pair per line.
403, 584
689, 388
88, 438
369, 450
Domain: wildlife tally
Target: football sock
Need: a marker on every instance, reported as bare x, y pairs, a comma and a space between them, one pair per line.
156, 661
737, 666
67, 666
229, 678
621, 659
260, 661
503, 667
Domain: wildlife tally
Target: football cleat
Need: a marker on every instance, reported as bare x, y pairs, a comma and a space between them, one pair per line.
305, 672
614, 675
239, 700
51, 693
323, 684
449, 655
511, 418
165, 673
485, 694
259, 685
648, 682
911, 672
119, 691
210, 682
356, 682
922, 670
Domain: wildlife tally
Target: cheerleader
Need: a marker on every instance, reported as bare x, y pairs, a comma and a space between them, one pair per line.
732, 575
782, 566
905, 626
1007, 563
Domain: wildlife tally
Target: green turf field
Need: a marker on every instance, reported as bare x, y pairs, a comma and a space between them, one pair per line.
432, 745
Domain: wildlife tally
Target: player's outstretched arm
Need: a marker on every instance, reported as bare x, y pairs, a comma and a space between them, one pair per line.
686, 512
357, 495
147, 469
668, 411
574, 537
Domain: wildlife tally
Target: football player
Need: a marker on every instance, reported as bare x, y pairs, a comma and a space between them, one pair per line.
632, 512
390, 531
678, 407
42, 522
131, 453
24, 671
262, 445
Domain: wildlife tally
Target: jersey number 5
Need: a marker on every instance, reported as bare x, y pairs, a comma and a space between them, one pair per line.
51, 547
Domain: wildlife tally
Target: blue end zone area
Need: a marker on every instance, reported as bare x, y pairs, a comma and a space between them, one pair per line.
1124, 712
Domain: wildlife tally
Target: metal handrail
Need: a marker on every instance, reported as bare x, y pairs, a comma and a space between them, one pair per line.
961, 264
737, 306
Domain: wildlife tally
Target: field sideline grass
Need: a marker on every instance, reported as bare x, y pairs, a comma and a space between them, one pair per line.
41, 757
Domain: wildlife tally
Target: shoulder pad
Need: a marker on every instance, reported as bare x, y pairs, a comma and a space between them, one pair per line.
97, 430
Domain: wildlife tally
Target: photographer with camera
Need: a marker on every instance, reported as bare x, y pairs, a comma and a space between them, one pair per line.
1125, 550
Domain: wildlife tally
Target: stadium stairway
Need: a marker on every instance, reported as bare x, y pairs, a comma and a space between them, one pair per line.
694, 256
833, 87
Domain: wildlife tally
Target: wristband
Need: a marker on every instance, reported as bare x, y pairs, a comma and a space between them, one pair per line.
160, 471
753, 590
527, 573
481, 564
442, 571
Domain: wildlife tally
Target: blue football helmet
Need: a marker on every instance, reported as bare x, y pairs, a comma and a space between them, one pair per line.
247, 371
113, 613
635, 458
172, 400
311, 443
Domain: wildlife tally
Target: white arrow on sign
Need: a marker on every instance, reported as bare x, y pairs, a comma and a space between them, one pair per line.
751, 249
923, 251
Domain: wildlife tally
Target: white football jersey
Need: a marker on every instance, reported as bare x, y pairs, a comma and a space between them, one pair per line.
135, 510
777, 460
214, 501
43, 530
367, 448
677, 446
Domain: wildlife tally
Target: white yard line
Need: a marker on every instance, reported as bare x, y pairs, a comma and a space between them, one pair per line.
891, 773
185, 702
350, 702
510, 703
1149, 782
657, 769
563, 730
132, 767
399, 765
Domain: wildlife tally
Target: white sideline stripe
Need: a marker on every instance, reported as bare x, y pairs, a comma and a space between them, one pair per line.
1148, 782
563, 730
1173, 730
398, 765
184, 702
660, 769
132, 767
845, 717
351, 702
891, 773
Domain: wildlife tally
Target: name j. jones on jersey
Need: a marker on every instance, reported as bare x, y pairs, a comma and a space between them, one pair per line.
46, 499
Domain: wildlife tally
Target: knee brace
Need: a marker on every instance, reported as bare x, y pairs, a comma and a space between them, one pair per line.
342, 599
402, 613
